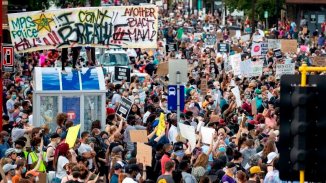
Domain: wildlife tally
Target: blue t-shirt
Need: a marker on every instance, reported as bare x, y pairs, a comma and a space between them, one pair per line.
114, 178
3, 148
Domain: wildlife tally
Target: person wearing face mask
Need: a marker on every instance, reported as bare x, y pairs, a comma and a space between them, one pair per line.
9, 171
259, 101
10, 105
55, 140
32, 176
33, 156
254, 174
230, 172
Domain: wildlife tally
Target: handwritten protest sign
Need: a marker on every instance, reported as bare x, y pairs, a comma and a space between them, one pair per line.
235, 63
264, 48
105, 27
254, 107
319, 61
274, 44
189, 133
256, 69
138, 136
144, 154
256, 49
72, 135
245, 68
289, 45
282, 69
206, 134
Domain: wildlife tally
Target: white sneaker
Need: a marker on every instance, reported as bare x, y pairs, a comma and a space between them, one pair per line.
64, 72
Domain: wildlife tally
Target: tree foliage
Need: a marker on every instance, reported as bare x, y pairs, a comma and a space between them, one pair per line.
260, 7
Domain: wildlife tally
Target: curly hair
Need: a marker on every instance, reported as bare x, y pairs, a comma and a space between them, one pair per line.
61, 118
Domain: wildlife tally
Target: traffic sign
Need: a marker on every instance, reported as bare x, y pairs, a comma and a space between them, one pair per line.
176, 65
173, 97
8, 58
265, 14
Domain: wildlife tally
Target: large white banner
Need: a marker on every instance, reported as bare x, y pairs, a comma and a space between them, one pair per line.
105, 27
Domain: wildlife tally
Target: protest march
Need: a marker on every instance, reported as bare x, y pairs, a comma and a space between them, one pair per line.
140, 94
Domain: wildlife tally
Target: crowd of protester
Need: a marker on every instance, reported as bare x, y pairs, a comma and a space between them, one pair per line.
242, 149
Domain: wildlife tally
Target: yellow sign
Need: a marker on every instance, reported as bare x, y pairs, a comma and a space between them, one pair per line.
161, 125
72, 135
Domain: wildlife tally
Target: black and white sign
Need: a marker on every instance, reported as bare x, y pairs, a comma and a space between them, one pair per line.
124, 107
210, 40
122, 73
278, 53
264, 48
171, 47
7, 59
223, 47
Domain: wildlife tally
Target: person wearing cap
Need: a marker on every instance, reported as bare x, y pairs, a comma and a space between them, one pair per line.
11, 153
117, 170
32, 176
9, 171
55, 140
230, 173
254, 174
273, 174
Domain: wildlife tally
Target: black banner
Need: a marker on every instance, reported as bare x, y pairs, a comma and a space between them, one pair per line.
122, 73
278, 53
124, 107
223, 47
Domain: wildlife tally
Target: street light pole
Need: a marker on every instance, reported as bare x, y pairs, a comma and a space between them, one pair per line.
178, 75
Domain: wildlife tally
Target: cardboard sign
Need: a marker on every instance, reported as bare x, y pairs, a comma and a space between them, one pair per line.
171, 47
103, 27
256, 49
203, 87
282, 69
124, 107
223, 47
189, 133
305, 30
163, 69
235, 63
319, 61
233, 33
138, 136
42, 177
121, 73
277, 53
236, 49
274, 44
144, 154
289, 45
207, 134
7, 58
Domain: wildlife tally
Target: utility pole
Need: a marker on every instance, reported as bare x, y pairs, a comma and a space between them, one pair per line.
253, 13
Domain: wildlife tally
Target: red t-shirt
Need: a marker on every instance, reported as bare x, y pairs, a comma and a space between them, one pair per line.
164, 159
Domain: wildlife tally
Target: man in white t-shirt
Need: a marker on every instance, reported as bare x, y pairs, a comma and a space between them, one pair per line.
86, 150
173, 131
